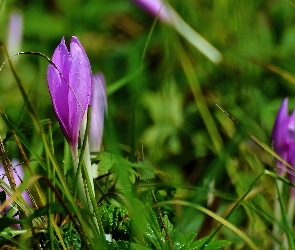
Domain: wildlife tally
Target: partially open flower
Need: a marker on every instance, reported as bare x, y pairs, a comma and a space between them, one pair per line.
70, 88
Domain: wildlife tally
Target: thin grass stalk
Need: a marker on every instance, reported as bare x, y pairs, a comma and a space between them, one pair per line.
200, 101
277, 215
50, 194
291, 209
290, 216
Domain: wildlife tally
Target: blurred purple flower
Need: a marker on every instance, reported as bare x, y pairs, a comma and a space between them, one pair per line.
98, 108
70, 89
155, 7
15, 32
283, 137
18, 175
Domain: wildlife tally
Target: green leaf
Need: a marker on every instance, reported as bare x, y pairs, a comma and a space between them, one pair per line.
106, 161
146, 223
125, 245
211, 245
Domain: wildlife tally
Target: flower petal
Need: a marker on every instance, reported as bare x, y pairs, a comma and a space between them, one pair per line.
155, 7
279, 132
58, 87
80, 83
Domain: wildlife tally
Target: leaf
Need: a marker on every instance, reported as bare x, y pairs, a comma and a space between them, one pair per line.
146, 222
106, 161
211, 245
125, 245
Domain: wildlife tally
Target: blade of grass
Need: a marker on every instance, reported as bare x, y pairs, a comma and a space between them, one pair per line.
200, 100
50, 220
114, 87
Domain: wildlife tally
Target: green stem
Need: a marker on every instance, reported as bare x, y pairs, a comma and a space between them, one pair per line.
277, 215
94, 206
50, 193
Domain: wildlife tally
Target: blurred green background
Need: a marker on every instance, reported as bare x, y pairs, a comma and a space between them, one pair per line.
177, 90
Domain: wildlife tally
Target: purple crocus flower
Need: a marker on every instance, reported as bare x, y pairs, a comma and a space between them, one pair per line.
156, 7
70, 88
283, 137
98, 108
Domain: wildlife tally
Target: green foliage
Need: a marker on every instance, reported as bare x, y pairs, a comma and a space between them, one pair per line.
116, 221
162, 96
186, 241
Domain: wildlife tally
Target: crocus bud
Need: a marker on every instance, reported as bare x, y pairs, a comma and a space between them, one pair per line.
98, 107
70, 88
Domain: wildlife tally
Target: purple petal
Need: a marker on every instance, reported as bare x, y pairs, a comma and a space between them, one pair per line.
98, 107
80, 82
155, 7
279, 133
291, 160
58, 87
291, 129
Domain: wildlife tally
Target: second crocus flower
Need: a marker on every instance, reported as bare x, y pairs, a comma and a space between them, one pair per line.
283, 137
98, 108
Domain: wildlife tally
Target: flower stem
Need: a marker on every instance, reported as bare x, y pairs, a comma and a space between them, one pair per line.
277, 214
